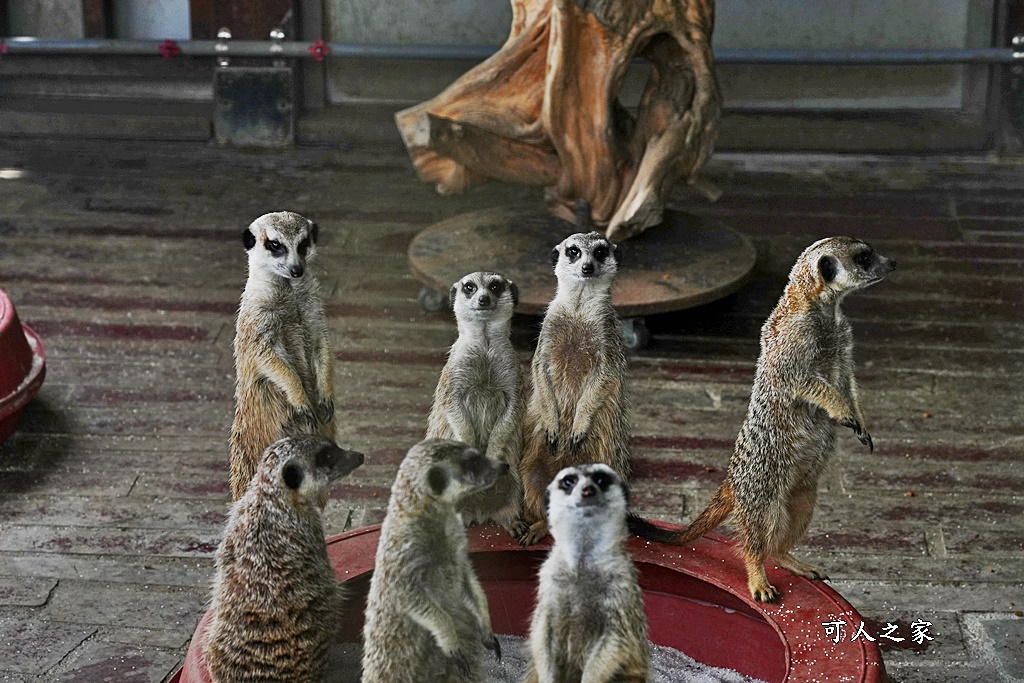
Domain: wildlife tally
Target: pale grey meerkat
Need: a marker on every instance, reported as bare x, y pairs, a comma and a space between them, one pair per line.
803, 387
479, 397
578, 411
275, 596
426, 614
589, 625
283, 360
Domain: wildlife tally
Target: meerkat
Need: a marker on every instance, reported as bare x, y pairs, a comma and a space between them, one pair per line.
578, 411
275, 595
803, 387
426, 614
479, 397
589, 625
283, 361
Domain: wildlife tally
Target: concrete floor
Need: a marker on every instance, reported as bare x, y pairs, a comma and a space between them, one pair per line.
125, 257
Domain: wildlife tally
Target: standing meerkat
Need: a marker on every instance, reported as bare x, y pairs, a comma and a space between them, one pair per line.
479, 397
589, 625
426, 614
803, 387
283, 362
578, 411
275, 596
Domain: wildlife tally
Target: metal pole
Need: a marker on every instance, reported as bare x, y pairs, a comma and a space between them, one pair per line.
299, 50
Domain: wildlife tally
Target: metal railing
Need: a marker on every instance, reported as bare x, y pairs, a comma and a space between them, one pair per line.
321, 50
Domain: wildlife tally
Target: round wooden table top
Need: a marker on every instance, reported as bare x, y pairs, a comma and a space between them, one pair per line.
684, 262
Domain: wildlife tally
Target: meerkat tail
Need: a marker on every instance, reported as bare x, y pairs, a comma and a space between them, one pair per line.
717, 510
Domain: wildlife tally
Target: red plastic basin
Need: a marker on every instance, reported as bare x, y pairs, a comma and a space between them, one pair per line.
696, 599
22, 366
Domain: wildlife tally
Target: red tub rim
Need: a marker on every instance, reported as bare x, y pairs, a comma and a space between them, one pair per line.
13, 402
809, 656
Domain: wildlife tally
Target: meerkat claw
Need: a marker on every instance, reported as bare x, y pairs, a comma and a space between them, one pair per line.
865, 439
576, 443
552, 441
325, 409
491, 643
767, 594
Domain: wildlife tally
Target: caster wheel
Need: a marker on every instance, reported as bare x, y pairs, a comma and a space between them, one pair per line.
634, 331
433, 301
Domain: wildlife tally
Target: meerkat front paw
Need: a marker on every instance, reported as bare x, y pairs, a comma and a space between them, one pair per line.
461, 661
551, 439
325, 410
865, 439
302, 420
534, 534
491, 643
576, 443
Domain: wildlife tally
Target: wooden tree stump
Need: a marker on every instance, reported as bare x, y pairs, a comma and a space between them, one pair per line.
544, 109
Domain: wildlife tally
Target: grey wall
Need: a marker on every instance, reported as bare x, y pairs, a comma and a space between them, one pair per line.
46, 18
833, 24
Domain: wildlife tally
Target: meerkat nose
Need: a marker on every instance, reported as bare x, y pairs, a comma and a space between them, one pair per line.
589, 491
484, 300
588, 268
296, 271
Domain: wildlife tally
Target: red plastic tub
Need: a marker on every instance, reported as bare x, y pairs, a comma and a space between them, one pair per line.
22, 366
696, 599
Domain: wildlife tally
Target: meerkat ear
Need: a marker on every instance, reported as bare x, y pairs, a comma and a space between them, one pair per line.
292, 475
248, 239
314, 232
515, 293
616, 254
554, 256
625, 493
452, 293
437, 478
547, 503
827, 266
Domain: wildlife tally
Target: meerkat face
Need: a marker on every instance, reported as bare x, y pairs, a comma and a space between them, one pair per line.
306, 465
846, 264
586, 490
585, 257
452, 470
281, 243
484, 296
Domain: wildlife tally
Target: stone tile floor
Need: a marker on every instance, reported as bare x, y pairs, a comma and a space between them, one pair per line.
125, 258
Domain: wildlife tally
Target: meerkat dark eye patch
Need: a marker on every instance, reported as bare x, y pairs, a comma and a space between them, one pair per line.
568, 481
828, 267
864, 259
601, 253
573, 253
497, 288
602, 480
275, 247
248, 239
292, 475
469, 288
437, 479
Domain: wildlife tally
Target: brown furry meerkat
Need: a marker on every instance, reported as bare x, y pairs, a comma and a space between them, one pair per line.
283, 361
479, 397
426, 614
589, 625
275, 596
803, 387
578, 411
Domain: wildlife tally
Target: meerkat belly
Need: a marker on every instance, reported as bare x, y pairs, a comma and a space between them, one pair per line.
483, 401
575, 355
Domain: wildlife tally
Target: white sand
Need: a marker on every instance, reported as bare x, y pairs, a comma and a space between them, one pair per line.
667, 665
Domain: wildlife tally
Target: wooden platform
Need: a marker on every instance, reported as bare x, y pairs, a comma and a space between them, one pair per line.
686, 261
